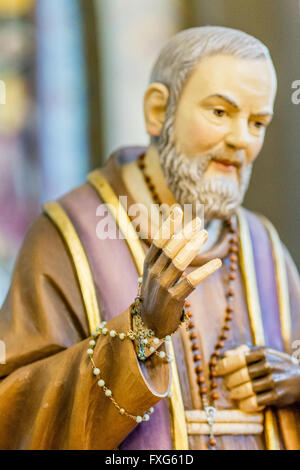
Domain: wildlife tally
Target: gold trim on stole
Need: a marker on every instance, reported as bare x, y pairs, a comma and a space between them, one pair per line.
250, 283
105, 191
86, 283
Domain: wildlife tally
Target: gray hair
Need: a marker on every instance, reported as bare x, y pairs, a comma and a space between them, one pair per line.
183, 52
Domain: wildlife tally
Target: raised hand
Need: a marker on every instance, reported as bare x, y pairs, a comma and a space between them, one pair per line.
169, 255
260, 377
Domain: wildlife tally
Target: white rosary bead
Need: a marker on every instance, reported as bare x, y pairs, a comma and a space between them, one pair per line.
151, 410
108, 392
170, 358
140, 280
101, 383
162, 354
144, 341
96, 371
170, 394
105, 331
139, 419
95, 334
92, 343
113, 333
121, 411
122, 336
152, 349
146, 417
168, 338
156, 341
90, 351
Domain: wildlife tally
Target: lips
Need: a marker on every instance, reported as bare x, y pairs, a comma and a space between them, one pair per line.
225, 165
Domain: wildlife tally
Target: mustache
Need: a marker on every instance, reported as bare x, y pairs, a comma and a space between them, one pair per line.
237, 159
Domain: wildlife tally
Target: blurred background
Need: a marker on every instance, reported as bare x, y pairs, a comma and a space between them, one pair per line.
72, 76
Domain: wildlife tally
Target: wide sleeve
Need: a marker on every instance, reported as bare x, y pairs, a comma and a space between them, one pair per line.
49, 397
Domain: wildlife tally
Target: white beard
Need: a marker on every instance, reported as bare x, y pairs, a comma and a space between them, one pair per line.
220, 196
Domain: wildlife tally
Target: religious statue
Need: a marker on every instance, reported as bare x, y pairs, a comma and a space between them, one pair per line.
164, 334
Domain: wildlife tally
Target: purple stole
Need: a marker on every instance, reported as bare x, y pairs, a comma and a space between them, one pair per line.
111, 264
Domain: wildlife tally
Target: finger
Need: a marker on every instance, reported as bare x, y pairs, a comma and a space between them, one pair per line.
168, 228
259, 369
176, 267
188, 284
255, 355
166, 231
263, 384
178, 240
230, 363
266, 398
184, 257
250, 404
242, 391
239, 377
160, 264
243, 348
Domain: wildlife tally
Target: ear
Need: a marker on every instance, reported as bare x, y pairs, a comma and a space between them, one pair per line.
155, 105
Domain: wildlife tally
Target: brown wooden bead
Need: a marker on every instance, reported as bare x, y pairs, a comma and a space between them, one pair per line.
187, 303
212, 441
215, 396
200, 380
191, 325
233, 267
142, 156
203, 390
234, 240
141, 165
193, 335
228, 317
220, 345
198, 369
213, 373
233, 258
229, 309
155, 197
197, 357
195, 347
189, 313
232, 276
217, 353
214, 384
147, 178
233, 249
223, 336
226, 327
213, 362
230, 293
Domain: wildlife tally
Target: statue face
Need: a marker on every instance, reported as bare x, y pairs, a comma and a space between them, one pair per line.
207, 147
224, 109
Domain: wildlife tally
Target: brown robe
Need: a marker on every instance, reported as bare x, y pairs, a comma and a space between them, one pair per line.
49, 398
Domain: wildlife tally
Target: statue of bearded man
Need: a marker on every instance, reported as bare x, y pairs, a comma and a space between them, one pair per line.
124, 332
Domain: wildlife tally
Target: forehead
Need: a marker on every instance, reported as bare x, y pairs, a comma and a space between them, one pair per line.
247, 81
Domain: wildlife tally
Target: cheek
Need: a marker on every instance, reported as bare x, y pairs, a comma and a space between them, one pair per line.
197, 134
254, 149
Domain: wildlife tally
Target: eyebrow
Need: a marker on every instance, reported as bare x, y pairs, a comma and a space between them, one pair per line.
225, 98
233, 103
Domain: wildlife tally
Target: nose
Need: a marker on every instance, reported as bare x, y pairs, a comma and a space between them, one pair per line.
238, 136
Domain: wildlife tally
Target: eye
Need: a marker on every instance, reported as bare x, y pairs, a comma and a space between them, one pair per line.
259, 124
219, 112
